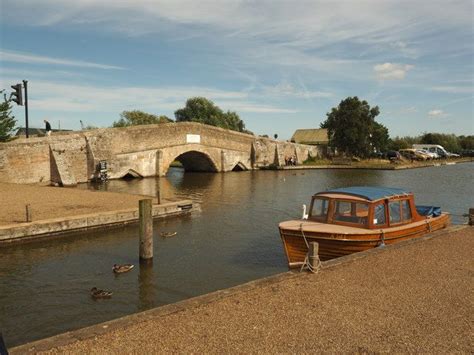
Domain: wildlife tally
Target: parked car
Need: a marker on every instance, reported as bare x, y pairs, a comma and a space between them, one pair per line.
413, 154
393, 155
467, 153
433, 148
432, 155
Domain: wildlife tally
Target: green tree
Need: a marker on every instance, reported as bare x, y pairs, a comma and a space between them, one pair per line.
202, 110
379, 137
7, 120
466, 142
352, 128
398, 143
449, 141
136, 117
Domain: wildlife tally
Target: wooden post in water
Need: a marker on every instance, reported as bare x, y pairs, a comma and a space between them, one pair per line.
146, 231
313, 257
471, 216
28, 213
158, 192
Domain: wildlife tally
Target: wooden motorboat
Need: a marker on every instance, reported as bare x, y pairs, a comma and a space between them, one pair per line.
353, 219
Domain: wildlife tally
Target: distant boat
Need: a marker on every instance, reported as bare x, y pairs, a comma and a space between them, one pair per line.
353, 219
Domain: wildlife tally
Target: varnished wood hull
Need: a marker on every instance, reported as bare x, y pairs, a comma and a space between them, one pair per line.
332, 245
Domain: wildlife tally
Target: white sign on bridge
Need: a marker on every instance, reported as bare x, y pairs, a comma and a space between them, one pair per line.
193, 138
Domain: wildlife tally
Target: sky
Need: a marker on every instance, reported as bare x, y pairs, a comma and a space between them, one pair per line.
281, 65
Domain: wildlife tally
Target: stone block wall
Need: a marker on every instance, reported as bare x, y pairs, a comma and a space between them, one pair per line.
144, 150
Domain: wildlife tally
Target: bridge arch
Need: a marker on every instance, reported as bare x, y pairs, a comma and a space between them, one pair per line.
197, 161
239, 166
131, 174
193, 159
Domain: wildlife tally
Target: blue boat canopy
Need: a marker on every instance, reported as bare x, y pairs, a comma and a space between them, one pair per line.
369, 192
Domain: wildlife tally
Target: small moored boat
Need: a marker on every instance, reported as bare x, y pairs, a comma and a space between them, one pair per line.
352, 219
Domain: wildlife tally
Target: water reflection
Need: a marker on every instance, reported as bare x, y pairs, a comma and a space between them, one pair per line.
146, 286
44, 286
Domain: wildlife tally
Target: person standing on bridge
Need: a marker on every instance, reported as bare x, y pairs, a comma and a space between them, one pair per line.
48, 128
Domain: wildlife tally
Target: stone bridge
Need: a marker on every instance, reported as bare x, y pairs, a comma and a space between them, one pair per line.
141, 151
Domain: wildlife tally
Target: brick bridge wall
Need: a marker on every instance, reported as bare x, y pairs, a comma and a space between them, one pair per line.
140, 151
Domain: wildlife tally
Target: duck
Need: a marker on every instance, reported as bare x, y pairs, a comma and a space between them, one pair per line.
168, 234
118, 269
96, 293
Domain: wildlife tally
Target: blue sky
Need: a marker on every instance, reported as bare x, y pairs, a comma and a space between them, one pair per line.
281, 65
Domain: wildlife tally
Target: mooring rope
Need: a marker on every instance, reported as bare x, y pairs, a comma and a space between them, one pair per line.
306, 264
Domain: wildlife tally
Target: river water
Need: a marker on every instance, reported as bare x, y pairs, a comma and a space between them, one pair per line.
232, 238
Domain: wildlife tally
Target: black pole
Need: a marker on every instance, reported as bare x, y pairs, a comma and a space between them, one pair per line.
25, 85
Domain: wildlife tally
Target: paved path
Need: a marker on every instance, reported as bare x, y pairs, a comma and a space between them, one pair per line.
53, 202
415, 297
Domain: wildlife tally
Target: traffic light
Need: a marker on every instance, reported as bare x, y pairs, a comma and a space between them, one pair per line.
17, 95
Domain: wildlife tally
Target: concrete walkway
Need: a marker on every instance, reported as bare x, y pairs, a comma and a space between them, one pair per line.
60, 211
412, 297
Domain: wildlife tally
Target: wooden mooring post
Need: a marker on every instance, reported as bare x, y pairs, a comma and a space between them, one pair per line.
158, 192
471, 216
28, 213
146, 231
313, 255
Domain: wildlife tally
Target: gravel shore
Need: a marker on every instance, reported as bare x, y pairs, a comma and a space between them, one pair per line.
414, 298
53, 202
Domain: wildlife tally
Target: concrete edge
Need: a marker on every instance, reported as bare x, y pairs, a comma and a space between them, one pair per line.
14, 233
194, 302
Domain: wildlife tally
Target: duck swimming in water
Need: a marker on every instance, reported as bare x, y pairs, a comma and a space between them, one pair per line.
96, 293
118, 269
168, 234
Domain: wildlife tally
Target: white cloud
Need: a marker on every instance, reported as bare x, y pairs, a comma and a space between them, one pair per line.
288, 90
305, 29
437, 113
391, 71
60, 97
453, 89
18, 57
253, 107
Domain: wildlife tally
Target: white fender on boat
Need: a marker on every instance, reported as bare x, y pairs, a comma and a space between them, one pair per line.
305, 215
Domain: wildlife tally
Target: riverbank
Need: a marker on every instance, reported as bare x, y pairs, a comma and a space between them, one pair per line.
57, 210
414, 296
374, 164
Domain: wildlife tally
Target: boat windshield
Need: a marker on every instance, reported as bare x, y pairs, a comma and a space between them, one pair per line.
319, 210
351, 212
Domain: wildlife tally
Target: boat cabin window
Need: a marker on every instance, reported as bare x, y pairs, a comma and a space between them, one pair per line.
351, 212
394, 212
380, 217
399, 211
320, 208
406, 210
